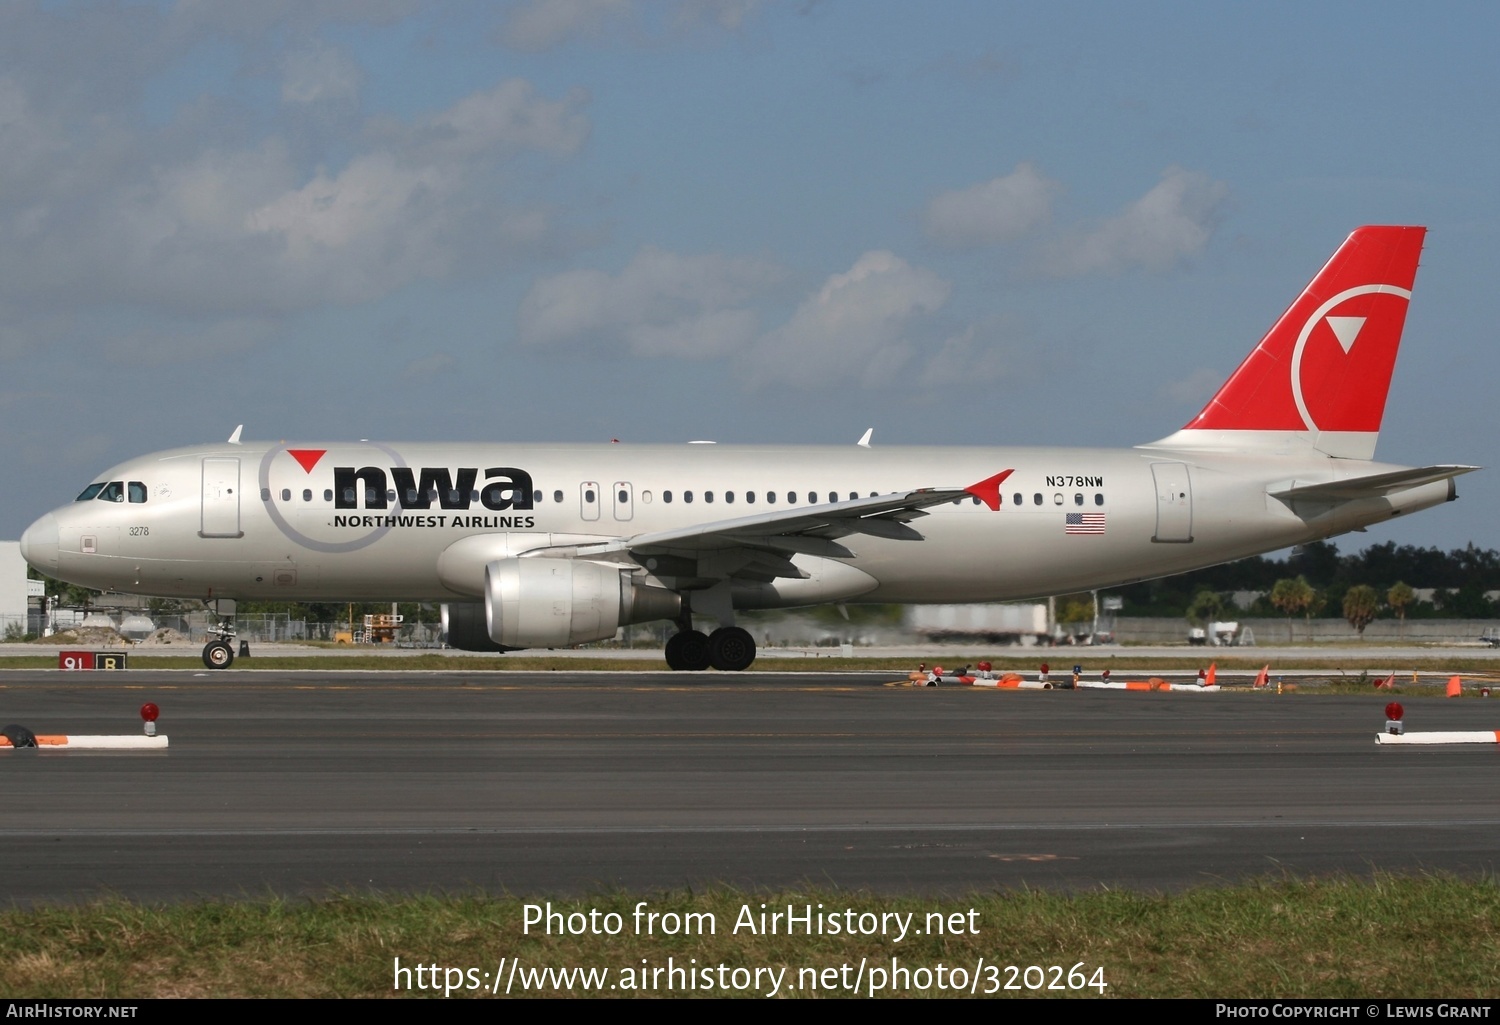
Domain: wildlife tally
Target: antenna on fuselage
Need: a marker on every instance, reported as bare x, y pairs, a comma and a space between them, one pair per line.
234, 439
864, 442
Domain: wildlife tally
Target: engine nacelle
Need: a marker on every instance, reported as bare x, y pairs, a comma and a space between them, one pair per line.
554, 603
466, 628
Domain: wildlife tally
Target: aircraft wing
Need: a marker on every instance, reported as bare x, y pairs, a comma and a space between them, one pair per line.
1376, 485
811, 529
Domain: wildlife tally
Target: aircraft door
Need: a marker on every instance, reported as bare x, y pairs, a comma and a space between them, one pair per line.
589, 499
624, 496
221, 498
1174, 503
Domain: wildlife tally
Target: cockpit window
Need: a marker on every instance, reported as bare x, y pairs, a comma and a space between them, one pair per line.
137, 492
114, 491
90, 493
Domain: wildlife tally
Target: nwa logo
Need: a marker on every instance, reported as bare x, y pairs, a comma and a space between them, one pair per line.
368, 487
1342, 361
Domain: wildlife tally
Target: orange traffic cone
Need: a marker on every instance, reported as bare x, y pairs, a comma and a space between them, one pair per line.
1455, 686
1263, 677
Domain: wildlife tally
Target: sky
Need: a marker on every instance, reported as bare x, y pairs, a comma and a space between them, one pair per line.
742, 220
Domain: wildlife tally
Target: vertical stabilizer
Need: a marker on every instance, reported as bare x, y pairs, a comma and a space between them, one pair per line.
1320, 376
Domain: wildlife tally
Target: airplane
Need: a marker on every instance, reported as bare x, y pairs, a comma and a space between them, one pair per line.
544, 546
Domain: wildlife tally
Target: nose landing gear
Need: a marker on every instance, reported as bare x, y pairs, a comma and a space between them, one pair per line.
219, 654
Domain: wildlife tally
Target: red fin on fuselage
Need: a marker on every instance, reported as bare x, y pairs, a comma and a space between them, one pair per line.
1322, 373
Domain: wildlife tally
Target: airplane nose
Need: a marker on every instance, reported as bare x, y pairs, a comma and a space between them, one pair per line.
39, 544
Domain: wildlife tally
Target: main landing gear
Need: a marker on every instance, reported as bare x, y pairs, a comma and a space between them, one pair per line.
727, 649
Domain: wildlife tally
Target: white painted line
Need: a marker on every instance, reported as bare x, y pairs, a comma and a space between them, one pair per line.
1455, 737
67, 742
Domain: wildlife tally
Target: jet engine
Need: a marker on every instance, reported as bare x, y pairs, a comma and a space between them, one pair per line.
465, 628
554, 603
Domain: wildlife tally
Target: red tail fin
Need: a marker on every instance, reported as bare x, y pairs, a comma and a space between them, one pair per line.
1324, 368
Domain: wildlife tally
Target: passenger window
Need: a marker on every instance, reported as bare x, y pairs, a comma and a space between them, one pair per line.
770, 498
729, 497
411, 496
646, 497
749, 498
791, 498
1018, 498
536, 496
370, 496
687, 496
622, 497
390, 496
90, 493
854, 495
1036, 499
1098, 499
1057, 498
1078, 498
286, 494
588, 495
666, 496
328, 494
557, 496
708, 496
307, 494
265, 494
137, 492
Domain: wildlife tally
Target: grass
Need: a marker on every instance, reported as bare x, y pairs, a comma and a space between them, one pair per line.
1342, 937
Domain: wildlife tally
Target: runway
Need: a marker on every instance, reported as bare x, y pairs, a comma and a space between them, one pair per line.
305, 783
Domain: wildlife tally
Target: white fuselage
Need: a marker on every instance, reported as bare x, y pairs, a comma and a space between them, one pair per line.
255, 522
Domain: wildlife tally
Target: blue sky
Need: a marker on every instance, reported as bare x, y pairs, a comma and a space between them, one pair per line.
965, 223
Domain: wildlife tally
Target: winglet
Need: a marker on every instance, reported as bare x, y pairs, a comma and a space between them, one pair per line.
988, 490
234, 439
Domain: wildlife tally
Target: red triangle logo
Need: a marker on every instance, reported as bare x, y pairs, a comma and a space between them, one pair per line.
308, 457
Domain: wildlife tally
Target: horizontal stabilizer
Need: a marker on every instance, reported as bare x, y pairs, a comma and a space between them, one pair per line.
1376, 485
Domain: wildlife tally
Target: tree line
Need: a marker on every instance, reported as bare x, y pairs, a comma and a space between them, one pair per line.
1316, 580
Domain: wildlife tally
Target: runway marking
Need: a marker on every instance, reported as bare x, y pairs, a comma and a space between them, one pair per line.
1034, 857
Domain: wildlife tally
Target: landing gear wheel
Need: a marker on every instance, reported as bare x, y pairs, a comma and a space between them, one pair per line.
218, 655
731, 649
688, 650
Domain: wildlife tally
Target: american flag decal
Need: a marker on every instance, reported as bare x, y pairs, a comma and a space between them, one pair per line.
1083, 523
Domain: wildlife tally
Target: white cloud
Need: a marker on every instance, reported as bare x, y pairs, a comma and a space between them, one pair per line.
545, 24
1195, 389
189, 343
430, 365
855, 328
509, 118
660, 304
1165, 226
320, 74
972, 357
251, 230
998, 210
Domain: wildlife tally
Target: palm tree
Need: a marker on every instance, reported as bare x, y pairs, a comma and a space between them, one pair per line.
1292, 597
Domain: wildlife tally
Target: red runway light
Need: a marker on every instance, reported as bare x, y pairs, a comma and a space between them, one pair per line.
1394, 711
149, 712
